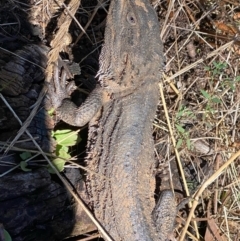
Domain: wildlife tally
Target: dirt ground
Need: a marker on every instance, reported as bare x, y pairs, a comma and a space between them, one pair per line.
196, 128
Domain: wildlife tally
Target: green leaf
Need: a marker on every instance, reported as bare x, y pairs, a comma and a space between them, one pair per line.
23, 166
7, 236
179, 143
180, 129
220, 65
65, 148
232, 86
66, 137
180, 112
58, 163
237, 78
64, 154
189, 144
25, 155
207, 68
59, 148
216, 100
205, 94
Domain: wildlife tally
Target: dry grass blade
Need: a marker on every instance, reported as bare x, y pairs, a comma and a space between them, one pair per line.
201, 45
203, 187
191, 66
17, 166
100, 4
176, 151
28, 120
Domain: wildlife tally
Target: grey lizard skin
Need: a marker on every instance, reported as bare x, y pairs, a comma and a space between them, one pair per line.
120, 112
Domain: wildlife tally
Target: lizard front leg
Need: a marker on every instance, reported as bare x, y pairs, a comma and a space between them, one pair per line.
65, 108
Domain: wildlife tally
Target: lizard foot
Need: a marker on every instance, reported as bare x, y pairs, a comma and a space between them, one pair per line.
59, 88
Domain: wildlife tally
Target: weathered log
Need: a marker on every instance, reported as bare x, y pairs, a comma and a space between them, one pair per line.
32, 205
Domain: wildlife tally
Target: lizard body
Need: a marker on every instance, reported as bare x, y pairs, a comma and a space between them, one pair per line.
120, 113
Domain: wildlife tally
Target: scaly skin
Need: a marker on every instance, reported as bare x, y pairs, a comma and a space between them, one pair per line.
122, 151
121, 111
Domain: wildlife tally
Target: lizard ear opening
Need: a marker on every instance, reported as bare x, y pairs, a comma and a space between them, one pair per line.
131, 18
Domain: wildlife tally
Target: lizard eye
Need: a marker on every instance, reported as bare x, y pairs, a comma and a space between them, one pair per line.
131, 18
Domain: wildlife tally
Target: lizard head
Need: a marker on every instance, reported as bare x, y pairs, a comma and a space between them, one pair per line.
132, 52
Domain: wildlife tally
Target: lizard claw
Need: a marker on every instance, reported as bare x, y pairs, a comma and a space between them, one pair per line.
59, 90
71, 87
